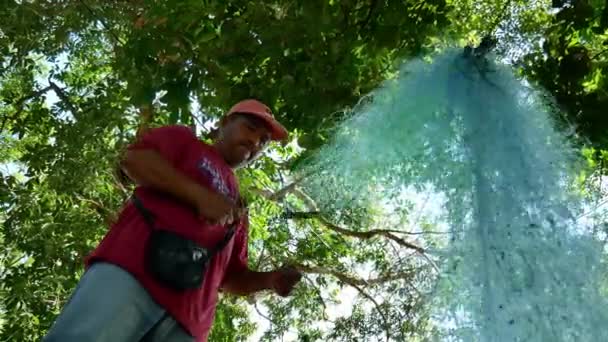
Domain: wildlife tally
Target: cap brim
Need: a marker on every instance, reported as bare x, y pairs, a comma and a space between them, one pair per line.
277, 131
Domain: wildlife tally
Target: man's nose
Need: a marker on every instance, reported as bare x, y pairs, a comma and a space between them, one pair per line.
256, 139
254, 142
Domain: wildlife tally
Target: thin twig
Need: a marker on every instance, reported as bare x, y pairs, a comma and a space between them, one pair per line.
94, 15
259, 261
377, 306
196, 119
109, 216
255, 305
420, 233
591, 211
318, 292
426, 200
599, 54
279, 194
357, 284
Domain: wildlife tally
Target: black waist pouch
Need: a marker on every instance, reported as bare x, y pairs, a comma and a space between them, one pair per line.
173, 260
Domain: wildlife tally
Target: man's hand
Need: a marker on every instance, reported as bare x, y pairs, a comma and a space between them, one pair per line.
284, 280
148, 168
217, 208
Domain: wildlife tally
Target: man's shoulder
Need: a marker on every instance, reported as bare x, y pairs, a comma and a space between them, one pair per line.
177, 129
172, 133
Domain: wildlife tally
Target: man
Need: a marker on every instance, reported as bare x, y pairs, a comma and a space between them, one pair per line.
138, 285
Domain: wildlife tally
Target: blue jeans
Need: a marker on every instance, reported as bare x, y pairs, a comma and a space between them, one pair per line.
109, 305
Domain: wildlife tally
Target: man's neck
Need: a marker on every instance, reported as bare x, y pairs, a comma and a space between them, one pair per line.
220, 148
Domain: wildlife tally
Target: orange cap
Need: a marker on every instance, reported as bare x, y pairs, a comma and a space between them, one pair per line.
260, 110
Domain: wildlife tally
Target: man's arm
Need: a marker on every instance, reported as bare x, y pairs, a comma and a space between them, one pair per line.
247, 282
149, 168
150, 162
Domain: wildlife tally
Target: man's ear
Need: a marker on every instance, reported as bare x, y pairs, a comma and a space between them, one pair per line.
223, 120
213, 134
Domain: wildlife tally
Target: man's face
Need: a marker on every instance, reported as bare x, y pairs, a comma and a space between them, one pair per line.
242, 137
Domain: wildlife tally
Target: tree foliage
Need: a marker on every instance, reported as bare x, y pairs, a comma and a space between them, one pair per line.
571, 63
79, 79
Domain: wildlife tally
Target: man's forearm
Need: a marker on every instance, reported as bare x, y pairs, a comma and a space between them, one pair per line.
247, 282
149, 168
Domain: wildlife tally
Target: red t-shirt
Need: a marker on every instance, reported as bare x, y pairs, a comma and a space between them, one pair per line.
124, 243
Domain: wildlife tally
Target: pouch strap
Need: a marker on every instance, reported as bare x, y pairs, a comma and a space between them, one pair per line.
149, 218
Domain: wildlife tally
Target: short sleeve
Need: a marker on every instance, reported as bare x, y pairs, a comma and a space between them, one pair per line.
238, 258
168, 141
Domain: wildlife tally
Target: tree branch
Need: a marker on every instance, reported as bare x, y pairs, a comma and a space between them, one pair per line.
306, 199
320, 296
358, 284
377, 306
500, 16
283, 192
389, 234
196, 120
121, 181
279, 194
259, 261
360, 235
255, 305
366, 21
63, 97
20, 104
109, 216
350, 280
145, 117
